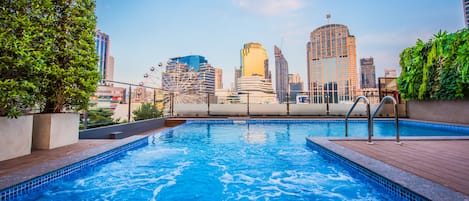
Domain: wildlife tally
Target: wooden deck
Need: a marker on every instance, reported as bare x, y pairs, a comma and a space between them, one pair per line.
445, 162
38, 157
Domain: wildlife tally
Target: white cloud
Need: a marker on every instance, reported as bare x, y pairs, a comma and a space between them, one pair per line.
270, 7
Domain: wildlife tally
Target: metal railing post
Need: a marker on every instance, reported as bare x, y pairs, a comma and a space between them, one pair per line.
130, 103
208, 104
248, 104
396, 115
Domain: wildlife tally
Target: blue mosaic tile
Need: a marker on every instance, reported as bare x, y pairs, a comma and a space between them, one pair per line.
441, 126
17, 191
395, 190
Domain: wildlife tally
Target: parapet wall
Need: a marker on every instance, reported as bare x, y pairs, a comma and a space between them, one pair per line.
127, 129
440, 111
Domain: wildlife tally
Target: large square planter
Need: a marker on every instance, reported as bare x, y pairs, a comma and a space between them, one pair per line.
15, 137
54, 130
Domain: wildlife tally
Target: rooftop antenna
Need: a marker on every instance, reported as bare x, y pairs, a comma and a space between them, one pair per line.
328, 16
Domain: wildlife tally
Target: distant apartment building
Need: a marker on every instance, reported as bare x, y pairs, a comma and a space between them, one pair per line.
281, 75
218, 78
237, 75
295, 86
465, 7
371, 93
188, 83
390, 72
367, 73
105, 62
332, 68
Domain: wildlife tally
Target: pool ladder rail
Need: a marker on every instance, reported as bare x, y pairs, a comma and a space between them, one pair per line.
371, 117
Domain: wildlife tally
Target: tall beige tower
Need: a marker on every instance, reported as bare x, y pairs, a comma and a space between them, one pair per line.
218, 78
332, 65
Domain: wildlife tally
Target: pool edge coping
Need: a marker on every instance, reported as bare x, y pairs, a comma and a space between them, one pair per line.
412, 182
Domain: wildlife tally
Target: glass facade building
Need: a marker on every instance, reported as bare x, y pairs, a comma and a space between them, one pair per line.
465, 7
281, 76
193, 61
102, 50
254, 61
367, 73
332, 69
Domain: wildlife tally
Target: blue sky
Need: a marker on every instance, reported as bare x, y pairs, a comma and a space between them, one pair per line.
146, 32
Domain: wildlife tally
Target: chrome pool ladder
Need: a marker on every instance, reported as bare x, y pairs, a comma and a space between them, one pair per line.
370, 120
396, 115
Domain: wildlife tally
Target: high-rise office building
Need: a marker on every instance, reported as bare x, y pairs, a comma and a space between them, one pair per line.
295, 86
465, 6
367, 73
110, 69
193, 61
237, 75
281, 75
390, 72
102, 50
332, 67
254, 61
254, 77
218, 78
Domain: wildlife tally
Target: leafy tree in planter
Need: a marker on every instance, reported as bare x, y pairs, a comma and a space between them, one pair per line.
99, 117
147, 111
18, 59
69, 73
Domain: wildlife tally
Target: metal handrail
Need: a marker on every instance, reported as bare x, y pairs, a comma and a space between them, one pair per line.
396, 115
370, 123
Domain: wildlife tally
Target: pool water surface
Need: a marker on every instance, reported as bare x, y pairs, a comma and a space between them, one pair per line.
202, 161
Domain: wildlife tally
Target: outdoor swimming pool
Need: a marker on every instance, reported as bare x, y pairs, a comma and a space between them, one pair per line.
254, 160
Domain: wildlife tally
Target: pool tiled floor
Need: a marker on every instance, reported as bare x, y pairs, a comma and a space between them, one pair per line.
445, 162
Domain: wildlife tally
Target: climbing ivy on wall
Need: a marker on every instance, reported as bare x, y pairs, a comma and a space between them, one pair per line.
437, 69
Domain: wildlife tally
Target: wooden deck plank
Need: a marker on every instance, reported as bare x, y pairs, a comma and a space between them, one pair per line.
445, 162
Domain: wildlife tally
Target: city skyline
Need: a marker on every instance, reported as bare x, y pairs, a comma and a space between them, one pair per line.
144, 33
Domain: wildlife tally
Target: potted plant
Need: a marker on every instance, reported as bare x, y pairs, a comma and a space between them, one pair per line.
18, 87
69, 73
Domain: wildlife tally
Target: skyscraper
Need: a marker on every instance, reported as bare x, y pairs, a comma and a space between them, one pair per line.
110, 69
281, 75
254, 61
255, 77
102, 50
218, 78
367, 73
295, 85
332, 68
465, 6
193, 61
390, 72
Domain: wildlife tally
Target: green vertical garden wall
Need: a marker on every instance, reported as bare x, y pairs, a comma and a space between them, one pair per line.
437, 69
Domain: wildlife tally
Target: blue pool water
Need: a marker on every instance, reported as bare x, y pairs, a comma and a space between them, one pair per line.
202, 161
